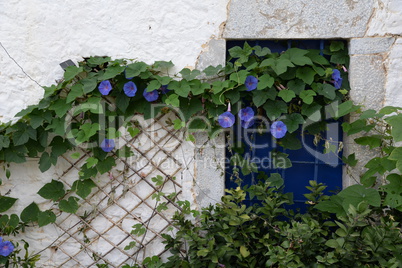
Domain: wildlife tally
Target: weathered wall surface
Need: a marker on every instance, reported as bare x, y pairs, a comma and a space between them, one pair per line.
39, 35
373, 28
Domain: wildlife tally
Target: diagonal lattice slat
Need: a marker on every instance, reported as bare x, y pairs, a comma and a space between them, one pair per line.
101, 229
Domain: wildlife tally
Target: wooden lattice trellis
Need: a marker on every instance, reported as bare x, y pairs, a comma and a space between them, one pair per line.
101, 229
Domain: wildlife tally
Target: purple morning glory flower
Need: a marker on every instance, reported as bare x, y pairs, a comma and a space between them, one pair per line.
130, 89
337, 80
164, 89
107, 145
251, 82
246, 114
151, 96
278, 129
105, 87
247, 124
6, 247
226, 119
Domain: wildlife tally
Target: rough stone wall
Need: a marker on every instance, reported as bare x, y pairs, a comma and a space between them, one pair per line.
373, 29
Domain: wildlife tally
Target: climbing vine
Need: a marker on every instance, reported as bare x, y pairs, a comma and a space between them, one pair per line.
87, 109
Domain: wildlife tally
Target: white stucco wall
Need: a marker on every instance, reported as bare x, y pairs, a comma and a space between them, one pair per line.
41, 34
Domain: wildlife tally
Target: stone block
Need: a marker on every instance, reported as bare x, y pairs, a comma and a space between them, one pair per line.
278, 19
370, 45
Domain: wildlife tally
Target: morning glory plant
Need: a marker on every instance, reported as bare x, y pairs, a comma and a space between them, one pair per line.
251, 82
151, 96
130, 89
227, 119
278, 129
6, 247
105, 87
337, 79
107, 145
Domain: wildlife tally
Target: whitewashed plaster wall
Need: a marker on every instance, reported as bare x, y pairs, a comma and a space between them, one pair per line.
39, 35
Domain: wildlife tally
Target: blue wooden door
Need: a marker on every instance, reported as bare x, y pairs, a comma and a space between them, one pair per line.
308, 163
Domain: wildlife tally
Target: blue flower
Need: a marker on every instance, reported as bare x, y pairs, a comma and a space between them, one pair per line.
337, 80
130, 89
247, 124
105, 87
246, 114
6, 247
107, 145
151, 96
278, 129
227, 119
164, 89
251, 82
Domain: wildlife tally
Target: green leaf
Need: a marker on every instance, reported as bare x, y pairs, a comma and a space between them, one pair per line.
241, 53
70, 205
314, 55
178, 124
307, 96
396, 124
198, 88
98, 60
134, 69
23, 133
274, 109
4, 142
44, 162
389, 110
75, 155
334, 205
6, 203
202, 252
163, 65
336, 46
296, 85
345, 108
328, 91
75, 92
189, 74
60, 107
213, 70
259, 97
306, 74
83, 187
286, 95
350, 160
173, 100
154, 84
112, 71
89, 84
106, 165
275, 180
291, 142
372, 141
46, 217
293, 121
278, 65
71, 72
91, 161
30, 213
244, 251
53, 190
281, 160
261, 52
133, 131
297, 56
15, 154
357, 193
181, 88
265, 81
